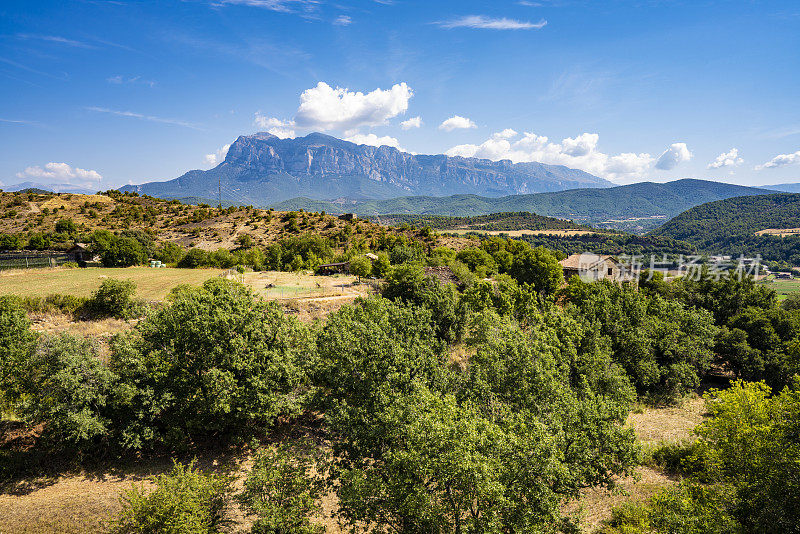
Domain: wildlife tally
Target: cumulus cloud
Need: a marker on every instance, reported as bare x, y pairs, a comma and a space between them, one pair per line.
342, 20
579, 152
781, 160
218, 156
676, 154
488, 23
457, 122
61, 172
277, 127
413, 122
726, 159
508, 133
373, 140
325, 108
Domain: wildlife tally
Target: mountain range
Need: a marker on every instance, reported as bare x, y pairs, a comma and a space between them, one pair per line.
262, 169
635, 207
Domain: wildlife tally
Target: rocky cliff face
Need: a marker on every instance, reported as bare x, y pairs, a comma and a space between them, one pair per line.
261, 169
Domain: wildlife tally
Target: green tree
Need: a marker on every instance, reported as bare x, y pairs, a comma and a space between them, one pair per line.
381, 267
123, 252
409, 283
538, 267
169, 253
196, 257
113, 297
66, 226
751, 442
361, 266
213, 362
78, 407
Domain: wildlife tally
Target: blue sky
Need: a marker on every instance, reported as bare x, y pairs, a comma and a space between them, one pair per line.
113, 92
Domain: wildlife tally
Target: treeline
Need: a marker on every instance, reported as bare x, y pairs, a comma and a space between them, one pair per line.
613, 244
521, 220
478, 408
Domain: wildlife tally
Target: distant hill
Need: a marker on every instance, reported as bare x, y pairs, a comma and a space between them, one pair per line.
786, 188
496, 222
730, 226
614, 207
262, 169
49, 188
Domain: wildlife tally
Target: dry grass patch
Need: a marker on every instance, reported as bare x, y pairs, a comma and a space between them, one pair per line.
151, 284
672, 424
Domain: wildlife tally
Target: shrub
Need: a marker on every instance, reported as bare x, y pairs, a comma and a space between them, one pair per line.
169, 253
281, 492
77, 407
66, 226
67, 304
16, 342
184, 501
113, 298
194, 258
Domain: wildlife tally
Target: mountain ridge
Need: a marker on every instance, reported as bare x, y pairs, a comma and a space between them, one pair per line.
261, 169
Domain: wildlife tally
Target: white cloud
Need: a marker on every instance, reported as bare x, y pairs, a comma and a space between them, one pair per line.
413, 122
676, 154
457, 122
508, 133
281, 6
579, 152
325, 108
277, 127
150, 118
373, 140
489, 23
342, 20
218, 156
122, 80
726, 159
61, 172
781, 160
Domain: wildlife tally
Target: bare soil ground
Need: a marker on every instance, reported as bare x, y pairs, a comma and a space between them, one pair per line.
652, 425
779, 231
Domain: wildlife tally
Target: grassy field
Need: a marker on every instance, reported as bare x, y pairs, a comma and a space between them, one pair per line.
782, 287
155, 284
151, 284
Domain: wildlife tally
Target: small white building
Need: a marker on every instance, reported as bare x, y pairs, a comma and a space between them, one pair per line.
591, 267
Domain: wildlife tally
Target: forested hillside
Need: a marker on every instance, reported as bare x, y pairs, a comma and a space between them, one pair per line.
592, 206
730, 227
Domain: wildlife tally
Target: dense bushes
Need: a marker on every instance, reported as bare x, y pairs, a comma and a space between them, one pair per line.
664, 346
212, 362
